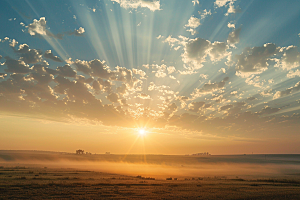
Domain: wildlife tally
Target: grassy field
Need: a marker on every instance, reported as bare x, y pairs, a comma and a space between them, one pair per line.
67, 176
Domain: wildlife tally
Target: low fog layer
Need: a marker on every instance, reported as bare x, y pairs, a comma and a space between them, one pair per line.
246, 166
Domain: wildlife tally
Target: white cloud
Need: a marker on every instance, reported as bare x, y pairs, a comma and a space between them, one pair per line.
229, 4
152, 5
38, 27
192, 31
195, 2
193, 22
171, 69
223, 70
266, 93
143, 96
293, 74
221, 3
78, 32
13, 43
139, 72
230, 25
161, 71
204, 13
255, 81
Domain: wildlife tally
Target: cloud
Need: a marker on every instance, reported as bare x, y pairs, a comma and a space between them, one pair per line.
255, 81
293, 74
39, 28
266, 93
193, 22
139, 72
113, 97
152, 5
171, 69
48, 54
66, 71
209, 88
172, 108
251, 98
13, 43
290, 58
16, 66
230, 25
77, 32
234, 36
255, 60
268, 110
218, 51
198, 106
229, 4
143, 96
161, 71
29, 56
192, 31
197, 50
195, 2
288, 91
204, 13
226, 107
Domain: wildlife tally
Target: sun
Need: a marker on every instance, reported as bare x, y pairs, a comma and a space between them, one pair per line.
142, 131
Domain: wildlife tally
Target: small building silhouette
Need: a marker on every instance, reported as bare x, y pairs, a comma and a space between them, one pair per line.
79, 151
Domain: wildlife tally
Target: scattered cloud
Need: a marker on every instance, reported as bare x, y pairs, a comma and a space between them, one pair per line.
48, 54
288, 91
234, 36
152, 5
255, 60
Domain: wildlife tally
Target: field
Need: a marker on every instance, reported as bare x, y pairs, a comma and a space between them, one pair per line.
51, 175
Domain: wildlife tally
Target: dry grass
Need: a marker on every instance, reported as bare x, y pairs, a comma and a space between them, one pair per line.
51, 183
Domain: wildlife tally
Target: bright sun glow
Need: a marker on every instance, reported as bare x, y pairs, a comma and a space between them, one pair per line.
142, 131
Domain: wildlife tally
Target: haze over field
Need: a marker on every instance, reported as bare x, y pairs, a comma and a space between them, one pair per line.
150, 76
163, 166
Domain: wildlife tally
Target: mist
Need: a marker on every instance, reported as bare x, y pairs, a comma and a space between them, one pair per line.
162, 166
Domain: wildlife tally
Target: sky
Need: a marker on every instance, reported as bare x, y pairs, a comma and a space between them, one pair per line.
150, 76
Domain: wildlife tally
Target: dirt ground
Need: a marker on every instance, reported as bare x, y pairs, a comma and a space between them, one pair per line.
25, 182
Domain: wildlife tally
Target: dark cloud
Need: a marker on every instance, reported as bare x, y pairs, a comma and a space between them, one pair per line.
113, 97
268, 110
288, 91
16, 66
210, 87
255, 60
198, 106
66, 70
29, 56
226, 107
48, 54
